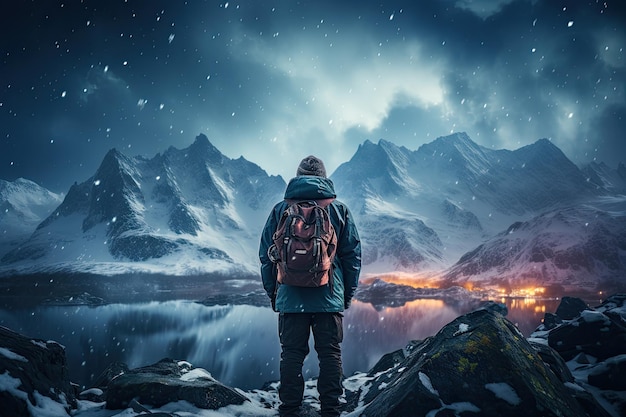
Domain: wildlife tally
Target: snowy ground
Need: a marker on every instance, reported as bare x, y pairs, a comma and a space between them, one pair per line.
260, 404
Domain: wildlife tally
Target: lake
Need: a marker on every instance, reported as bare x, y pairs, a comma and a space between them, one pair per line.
237, 344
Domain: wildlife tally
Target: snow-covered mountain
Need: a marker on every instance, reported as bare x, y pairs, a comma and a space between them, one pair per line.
184, 211
605, 177
23, 205
572, 249
450, 195
451, 211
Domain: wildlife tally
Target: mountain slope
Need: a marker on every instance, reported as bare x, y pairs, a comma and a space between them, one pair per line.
184, 211
531, 178
23, 205
579, 249
462, 192
604, 177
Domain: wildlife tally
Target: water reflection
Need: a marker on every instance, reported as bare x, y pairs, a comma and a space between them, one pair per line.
237, 344
528, 313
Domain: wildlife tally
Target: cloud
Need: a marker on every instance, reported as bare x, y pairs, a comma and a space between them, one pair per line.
326, 86
277, 82
101, 82
484, 8
331, 80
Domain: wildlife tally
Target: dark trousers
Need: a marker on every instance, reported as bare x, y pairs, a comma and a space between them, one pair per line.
294, 330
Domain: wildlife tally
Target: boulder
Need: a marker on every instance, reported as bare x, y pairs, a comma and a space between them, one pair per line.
114, 370
615, 302
570, 307
594, 345
169, 381
552, 358
600, 333
479, 364
609, 375
551, 320
33, 374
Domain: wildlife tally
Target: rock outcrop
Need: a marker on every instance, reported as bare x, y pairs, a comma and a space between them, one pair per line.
169, 381
479, 363
593, 342
33, 373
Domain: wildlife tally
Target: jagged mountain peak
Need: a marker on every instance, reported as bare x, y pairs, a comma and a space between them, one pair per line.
457, 154
606, 178
24, 190
457, 138
114, 164
204, 146
541, 150
23, 205
376, 170
27, 199
458, 142
381, 156
188, 210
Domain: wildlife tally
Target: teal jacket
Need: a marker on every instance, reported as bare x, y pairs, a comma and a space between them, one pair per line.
347, 263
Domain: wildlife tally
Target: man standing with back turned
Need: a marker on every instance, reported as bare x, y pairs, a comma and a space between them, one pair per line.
316, 308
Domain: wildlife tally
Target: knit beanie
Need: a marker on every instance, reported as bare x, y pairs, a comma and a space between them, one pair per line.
311, 166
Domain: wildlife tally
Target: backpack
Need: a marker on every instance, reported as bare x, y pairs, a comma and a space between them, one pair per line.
304, 244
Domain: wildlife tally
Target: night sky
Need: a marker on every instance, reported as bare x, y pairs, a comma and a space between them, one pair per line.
274, 81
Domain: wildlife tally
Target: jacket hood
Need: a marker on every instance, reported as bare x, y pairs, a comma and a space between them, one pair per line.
307, 187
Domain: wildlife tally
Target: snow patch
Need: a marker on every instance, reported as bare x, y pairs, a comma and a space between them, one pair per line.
425, 380
46, 406
463, 328
457, 408
94, 391
196, 374
12, 355
10, 384
505, 392
591, 316
39, 343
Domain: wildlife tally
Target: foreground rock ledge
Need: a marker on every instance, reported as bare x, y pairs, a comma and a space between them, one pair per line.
32, 372
479, 364
169, 381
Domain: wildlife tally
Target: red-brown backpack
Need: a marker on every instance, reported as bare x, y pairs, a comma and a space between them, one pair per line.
305, 243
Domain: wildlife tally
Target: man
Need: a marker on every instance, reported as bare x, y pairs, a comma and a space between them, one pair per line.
319, 309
